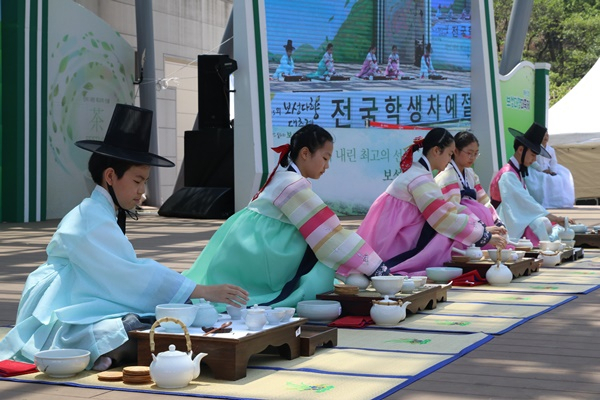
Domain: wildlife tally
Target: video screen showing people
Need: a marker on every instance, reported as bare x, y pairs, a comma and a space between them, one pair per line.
340, 63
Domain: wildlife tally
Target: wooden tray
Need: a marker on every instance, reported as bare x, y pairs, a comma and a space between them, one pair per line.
523, 267
227, 356
295, 78
360, 304
312, 336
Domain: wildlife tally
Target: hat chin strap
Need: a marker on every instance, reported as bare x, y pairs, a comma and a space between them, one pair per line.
121, 213
522, 168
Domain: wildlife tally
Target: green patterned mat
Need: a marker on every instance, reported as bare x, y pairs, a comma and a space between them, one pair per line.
366, 364
508, 298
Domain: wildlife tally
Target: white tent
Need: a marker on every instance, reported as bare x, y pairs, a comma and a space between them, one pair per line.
574, 128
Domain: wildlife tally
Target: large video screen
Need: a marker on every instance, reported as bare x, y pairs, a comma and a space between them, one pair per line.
348, 64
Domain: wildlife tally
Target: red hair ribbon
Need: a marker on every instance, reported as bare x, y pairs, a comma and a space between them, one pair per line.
407, 158
283, 151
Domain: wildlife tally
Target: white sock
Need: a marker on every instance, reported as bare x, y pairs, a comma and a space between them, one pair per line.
102, 363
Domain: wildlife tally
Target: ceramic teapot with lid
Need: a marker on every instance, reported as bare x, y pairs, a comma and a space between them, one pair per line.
174, 369
473, 252
524, 243
567, 233
206, 314
498, 274
550, 258
388, 312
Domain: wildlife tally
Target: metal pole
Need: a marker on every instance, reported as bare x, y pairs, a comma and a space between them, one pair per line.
145, 45
516, 34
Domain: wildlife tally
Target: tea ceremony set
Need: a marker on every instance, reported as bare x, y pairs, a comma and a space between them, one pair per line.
364, 327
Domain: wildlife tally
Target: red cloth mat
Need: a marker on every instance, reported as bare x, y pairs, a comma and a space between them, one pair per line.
471, 278
14, 368
352, 321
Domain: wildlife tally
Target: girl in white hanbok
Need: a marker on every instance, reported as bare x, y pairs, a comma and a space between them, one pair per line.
550, 183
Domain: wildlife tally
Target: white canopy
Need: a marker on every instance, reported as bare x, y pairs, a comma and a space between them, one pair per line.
575, 117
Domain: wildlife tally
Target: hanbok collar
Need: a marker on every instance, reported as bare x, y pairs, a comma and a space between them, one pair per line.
461, 176
425, 162
514, 164
105, 193
293, 167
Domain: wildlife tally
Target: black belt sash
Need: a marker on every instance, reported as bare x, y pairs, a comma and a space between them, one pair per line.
306, 265
426, 235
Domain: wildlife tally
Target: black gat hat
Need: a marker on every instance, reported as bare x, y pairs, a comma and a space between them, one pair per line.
532, 139
127, 138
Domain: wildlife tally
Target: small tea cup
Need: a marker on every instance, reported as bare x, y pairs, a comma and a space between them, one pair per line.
289, 313
234, 312
274, 316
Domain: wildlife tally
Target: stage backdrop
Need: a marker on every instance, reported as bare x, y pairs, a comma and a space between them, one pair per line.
90, 69
366, 160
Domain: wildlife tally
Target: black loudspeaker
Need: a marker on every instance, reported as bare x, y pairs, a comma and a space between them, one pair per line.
199, 202
208, 158
213, 90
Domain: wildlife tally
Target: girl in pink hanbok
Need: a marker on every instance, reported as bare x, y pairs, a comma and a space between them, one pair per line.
393, 66
460, 184
411, 226
370, 67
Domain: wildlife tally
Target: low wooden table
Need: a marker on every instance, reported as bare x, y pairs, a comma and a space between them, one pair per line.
523, 267
227, 355
360, 304
587, 240
566, 255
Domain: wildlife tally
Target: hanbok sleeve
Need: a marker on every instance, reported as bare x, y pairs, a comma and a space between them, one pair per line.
483, 198
107, 278
338, 248
552, 161
518, 208
449, 185
442, 215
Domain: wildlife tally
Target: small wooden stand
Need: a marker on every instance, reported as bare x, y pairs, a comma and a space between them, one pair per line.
313, 336
227, 357
523, 267
360, 304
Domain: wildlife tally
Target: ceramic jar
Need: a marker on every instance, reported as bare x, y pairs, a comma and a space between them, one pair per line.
206, 314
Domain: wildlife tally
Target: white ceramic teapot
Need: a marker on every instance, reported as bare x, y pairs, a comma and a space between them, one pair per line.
206, 314
359, 280
473, 252
524, 243
388, 312
498, 274
174, 369
568, 233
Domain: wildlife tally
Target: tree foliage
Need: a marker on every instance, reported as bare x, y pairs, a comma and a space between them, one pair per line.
564, 33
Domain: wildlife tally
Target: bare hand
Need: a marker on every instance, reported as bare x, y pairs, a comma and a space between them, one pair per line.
225, 293
498, 241
496, 230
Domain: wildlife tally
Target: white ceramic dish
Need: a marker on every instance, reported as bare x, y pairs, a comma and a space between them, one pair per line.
504, 255
186, 313
234, 312
390, 284
62, 363
547, 245
569, 243
323, 311
443, 274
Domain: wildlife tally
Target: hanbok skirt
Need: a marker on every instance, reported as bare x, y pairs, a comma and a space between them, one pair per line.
260, 254
392, 226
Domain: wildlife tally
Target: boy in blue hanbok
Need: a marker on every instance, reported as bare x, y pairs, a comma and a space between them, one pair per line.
93, 288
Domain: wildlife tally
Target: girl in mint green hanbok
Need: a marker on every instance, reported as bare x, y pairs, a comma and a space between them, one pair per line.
93, 289
286, 245
325, 69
